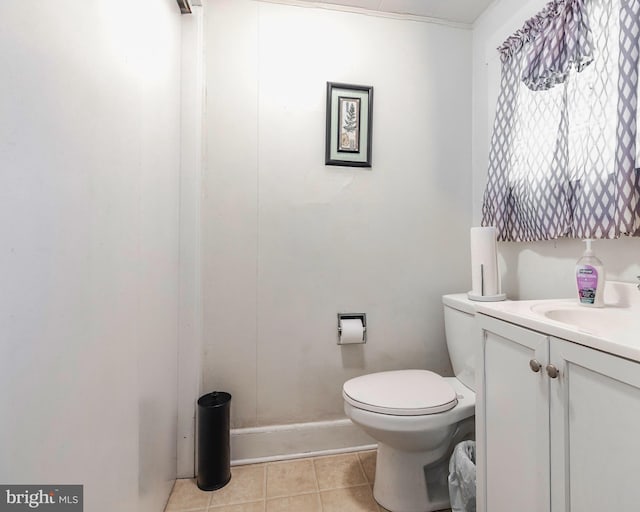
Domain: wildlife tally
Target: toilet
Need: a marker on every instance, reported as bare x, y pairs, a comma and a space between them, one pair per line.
418, 416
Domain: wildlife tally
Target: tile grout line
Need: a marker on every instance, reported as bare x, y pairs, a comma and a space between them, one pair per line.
264, 487
210, 496
315, 474
362, 467
366, 477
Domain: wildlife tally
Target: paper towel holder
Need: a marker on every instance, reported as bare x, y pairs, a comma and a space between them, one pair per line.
486, 298
353, 316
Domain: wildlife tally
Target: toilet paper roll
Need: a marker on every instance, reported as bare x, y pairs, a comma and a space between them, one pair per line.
484, 262
352, 331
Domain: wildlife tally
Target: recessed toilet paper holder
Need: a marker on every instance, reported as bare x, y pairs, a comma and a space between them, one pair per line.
352, 316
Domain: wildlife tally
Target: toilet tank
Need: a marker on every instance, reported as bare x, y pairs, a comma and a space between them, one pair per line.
463, 337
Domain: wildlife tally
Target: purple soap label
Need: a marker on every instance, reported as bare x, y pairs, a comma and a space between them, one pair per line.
587, 279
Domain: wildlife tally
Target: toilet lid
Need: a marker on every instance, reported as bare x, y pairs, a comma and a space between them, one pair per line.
401, 393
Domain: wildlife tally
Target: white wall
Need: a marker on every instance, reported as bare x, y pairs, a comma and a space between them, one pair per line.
289, 242
89, 160
541, 269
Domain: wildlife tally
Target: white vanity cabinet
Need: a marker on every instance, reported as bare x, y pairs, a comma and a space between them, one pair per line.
558, 424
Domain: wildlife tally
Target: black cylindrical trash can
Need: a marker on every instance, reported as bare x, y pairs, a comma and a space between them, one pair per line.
214, 452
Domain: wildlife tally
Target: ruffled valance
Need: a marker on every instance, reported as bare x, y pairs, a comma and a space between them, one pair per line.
558, 39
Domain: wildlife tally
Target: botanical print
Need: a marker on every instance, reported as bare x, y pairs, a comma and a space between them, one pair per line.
348, 124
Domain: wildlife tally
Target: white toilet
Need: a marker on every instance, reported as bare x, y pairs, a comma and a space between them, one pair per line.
417, 417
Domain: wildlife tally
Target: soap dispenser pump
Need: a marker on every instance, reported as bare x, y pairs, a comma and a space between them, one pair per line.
590, 278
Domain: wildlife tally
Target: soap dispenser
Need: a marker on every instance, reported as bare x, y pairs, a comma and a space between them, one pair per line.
590, 279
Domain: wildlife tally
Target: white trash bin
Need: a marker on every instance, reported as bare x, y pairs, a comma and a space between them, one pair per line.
462, 477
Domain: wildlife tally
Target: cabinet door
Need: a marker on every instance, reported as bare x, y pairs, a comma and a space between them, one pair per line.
512, 420
595, 425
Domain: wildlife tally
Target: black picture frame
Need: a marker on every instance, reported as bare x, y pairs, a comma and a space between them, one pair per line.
349, 125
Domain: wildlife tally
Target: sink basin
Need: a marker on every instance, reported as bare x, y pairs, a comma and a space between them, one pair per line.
599, 321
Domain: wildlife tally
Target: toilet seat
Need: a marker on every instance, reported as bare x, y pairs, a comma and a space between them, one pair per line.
401, 393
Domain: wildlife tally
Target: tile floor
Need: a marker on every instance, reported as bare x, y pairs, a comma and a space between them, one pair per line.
334, 483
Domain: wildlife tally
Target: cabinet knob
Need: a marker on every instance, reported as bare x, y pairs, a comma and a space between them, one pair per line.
552, 371
535, 365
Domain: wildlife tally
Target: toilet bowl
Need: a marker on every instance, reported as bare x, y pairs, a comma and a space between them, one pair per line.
417, 416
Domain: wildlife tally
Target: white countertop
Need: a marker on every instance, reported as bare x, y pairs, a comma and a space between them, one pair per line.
614, 328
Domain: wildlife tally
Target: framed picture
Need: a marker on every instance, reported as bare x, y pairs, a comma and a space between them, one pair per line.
349, 124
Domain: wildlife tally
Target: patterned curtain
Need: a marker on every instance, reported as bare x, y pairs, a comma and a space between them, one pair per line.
565, 147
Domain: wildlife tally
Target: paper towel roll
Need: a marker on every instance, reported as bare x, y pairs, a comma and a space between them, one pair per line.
484, 255
352, 331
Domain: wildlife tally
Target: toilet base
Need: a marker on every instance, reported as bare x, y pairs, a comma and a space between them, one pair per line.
416, 481
402, 481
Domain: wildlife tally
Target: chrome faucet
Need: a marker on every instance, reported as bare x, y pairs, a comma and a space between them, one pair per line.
638, 277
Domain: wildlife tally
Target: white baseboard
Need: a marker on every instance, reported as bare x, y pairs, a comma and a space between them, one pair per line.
281, 442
